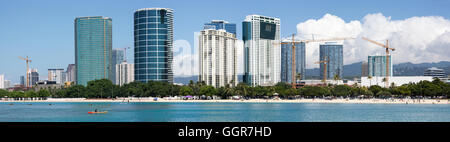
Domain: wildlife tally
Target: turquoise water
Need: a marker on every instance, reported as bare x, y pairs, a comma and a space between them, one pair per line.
223, 112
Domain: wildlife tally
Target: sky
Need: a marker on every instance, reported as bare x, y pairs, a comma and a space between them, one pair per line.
44, 29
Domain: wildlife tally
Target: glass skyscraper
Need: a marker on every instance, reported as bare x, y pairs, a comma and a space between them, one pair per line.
377, 65
221, 24
334, 54
93, 45
117, 57
262, 61
153, 43
22, 80
286, 61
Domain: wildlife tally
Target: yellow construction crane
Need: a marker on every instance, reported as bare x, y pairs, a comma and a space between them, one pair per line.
293, 42
27, 61
387, 56
325, 62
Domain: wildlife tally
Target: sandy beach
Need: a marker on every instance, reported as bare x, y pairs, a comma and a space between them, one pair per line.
152, 100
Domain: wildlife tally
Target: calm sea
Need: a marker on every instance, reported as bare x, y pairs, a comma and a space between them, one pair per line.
222, 112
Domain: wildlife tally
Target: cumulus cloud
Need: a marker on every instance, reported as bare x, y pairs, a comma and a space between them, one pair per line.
416, 39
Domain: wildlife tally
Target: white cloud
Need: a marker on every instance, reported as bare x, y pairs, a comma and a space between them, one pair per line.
416, 39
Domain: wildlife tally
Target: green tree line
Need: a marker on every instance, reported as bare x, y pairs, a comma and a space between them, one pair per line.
104, 88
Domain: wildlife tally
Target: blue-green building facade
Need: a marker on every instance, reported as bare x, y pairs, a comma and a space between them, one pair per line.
332, 52
377, 65
153, 43
286, 61
93, 46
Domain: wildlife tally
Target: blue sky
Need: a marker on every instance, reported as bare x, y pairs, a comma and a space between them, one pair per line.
44, 29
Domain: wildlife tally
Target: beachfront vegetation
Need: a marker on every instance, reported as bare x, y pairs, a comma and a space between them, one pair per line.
106, 89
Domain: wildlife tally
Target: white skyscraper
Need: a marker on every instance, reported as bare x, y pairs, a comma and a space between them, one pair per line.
70, 76
124, 73
217, 52
7, 84
2, 81
57, 75
262, 51
33, 77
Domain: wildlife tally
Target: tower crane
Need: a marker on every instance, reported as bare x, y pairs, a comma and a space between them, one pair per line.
27, 60
325, 62
386, 46
293, 42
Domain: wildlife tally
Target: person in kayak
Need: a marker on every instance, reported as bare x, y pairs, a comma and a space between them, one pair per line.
96, 110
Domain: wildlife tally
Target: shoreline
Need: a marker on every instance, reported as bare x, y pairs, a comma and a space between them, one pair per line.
162, 100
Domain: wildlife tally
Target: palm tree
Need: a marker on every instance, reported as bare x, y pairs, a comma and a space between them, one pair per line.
232, 83
336, 78
384, 80
298, 77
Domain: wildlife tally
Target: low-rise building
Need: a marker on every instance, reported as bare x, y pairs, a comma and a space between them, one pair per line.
47, 85
397, 80
435, 72
320, 83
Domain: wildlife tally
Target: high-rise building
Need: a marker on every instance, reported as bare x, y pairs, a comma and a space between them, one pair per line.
262, 62
435, 72
22, 80
93, 45
153, 43
57, 75
7, 84
364, 69
333, 53
217, 50
124, 73
286, 61
2, 81
63, 77
221, 24
70, 77
377, 65
118, 56
33, 77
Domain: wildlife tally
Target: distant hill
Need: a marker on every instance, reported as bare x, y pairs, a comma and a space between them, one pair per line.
354, 70
350, 71
410, 69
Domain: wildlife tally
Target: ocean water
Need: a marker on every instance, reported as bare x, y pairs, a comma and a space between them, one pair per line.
222, 112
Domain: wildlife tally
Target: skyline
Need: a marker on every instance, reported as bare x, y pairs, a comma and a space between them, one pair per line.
56, 48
